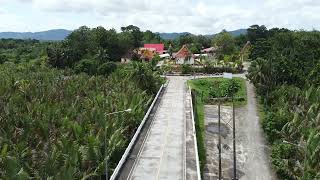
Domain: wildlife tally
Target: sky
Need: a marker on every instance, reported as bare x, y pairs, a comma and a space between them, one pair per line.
195, 16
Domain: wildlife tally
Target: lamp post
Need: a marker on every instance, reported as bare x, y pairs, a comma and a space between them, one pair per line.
105, 137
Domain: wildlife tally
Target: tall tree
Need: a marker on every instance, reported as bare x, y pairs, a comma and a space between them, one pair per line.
225, 41
134, 34
256, 32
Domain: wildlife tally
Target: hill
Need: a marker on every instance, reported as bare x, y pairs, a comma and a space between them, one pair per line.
238, 32
61, 34
50, 35
174, 35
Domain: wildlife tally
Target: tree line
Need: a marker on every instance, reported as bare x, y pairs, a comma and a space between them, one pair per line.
285, 69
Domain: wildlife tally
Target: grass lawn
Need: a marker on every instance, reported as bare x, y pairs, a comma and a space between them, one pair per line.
203, 87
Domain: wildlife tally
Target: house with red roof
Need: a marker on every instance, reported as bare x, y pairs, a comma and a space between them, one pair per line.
211, 51
184, 56
159, 48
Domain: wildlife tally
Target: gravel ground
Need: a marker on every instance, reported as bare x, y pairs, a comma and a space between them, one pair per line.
252, 151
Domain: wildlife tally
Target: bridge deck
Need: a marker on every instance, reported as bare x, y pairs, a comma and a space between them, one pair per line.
162, 155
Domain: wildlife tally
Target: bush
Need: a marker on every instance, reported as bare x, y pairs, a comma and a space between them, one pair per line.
210, 69
3, 59
225, 88
281, 154
145, 78
88, 66
154, 61
186, 69
107, 68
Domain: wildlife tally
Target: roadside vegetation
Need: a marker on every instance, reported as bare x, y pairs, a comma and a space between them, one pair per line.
285, 69
202, 92
54, 123
54, 101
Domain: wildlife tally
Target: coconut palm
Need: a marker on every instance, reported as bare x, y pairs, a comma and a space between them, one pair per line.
53, 123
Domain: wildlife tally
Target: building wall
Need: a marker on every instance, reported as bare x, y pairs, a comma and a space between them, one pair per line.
185, 61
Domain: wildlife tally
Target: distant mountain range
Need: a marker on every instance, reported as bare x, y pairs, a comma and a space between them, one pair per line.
238, 32
61, 34
176, 35
51, 35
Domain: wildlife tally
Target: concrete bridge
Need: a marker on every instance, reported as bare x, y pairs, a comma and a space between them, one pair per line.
166, 147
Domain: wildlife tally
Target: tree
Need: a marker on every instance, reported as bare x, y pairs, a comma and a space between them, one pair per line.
204, 41
155, 60
195, 48
225, 42
134, 35
88, 66
100, 37
256, 32
151, 38
185, 39
107, 68
114, 46
80, 41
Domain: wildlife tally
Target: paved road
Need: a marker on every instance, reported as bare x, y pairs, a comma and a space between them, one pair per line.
257, 164
163, 154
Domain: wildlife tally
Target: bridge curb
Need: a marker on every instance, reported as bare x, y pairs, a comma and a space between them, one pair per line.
195, 137
135, 137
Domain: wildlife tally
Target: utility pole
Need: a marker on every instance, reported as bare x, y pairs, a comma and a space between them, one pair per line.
234, 134
234, 141
219, 127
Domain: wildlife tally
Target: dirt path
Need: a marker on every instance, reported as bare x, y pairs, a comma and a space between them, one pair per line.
251, 137
252, 153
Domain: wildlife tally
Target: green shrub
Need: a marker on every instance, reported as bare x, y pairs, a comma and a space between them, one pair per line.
281, 159
107, 68
154, 61
146, 79
88, 66
186, 69
224, 88
3, 58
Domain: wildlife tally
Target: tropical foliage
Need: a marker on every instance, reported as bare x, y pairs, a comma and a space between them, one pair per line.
55, 97
54, 124
285, 69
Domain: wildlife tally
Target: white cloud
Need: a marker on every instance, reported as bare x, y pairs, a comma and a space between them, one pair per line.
196, 16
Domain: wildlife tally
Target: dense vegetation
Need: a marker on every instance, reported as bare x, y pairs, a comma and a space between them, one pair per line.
230, 44
17, 51
286, 69
205, 89
55, 97
53, 123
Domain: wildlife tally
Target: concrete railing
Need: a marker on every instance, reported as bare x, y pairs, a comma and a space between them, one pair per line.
134, 138
195, 137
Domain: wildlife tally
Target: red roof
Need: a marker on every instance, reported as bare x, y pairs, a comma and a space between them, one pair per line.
159, 47
183, 52
211, 49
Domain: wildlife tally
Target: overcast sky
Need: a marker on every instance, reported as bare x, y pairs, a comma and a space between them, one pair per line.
195, 16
